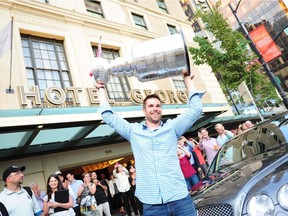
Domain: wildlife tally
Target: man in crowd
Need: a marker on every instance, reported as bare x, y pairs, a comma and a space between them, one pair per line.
208, 144
16, 199
74, 184
39, 194
249, 124
100, 196
223, 134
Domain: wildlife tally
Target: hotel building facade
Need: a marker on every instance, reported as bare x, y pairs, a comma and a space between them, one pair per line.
48, 109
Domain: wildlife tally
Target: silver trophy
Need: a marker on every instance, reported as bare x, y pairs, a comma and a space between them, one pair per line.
150, 60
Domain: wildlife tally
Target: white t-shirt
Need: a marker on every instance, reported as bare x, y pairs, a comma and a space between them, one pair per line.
19, 203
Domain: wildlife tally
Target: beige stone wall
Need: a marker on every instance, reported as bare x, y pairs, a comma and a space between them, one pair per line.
69, 22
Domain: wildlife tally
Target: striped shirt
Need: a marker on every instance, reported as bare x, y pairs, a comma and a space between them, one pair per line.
159, 176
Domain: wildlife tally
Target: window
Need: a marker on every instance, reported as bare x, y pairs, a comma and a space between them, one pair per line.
196, 27
172, 29
117, 87
162, 6
94, 8
179, 83
139, 21
46, 64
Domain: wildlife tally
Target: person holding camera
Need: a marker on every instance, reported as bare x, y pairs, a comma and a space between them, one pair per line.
125, 189
223, 134
208, 144
190, 174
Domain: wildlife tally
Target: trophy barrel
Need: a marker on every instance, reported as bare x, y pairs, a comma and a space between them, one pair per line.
99, 69
160, 58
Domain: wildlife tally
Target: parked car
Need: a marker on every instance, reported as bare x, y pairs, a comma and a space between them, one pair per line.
249, 174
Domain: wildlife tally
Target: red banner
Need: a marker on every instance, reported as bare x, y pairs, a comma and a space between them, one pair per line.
264, 43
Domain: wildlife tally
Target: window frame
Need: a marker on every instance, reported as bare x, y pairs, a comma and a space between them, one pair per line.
161, 4
179, 83
113, 85
170, 27
64, 74
94, 12
142, 26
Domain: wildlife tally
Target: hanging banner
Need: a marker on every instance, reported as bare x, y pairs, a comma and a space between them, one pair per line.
264, 43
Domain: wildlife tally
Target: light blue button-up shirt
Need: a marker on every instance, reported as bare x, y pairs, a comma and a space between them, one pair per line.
159, 176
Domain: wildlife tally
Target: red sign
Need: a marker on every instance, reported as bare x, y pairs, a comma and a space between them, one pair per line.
264, 43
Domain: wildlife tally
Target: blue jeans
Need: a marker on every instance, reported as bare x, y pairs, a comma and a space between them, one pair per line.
182, 207
193, 180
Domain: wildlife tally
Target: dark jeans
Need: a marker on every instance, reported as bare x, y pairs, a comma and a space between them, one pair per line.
77, 211
182, 207
117, 201
127, 197
139, 205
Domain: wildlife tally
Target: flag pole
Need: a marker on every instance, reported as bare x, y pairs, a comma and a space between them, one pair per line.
99, 48
10, 90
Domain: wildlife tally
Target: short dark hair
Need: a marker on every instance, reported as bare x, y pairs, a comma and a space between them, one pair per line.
202, 129
149, 97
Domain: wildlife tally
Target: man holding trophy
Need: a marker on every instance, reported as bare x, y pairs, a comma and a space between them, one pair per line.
161, 186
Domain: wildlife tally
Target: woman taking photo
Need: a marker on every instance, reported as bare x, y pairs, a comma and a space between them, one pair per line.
124, 187
57, 200
86, 191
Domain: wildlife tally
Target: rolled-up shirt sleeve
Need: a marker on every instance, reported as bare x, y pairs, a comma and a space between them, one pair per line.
111, 118
186, 119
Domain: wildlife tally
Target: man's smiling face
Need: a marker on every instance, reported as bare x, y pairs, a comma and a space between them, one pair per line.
153, 110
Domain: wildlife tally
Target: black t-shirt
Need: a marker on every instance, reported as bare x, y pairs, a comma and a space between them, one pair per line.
100, 195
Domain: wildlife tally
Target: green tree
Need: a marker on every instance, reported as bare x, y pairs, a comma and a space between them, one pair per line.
233, 61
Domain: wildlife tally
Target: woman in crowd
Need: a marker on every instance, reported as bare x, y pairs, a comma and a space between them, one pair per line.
115, 194
51, 207
132, 179
188, 171
122, 176
86, 193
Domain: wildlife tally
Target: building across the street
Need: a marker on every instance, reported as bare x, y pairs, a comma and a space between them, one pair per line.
272, 15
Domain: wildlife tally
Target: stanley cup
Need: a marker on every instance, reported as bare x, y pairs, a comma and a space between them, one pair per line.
150, 60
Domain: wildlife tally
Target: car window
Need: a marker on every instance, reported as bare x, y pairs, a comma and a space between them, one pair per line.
262, 138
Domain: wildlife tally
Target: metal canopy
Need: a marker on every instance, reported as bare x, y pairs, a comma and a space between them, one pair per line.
44, 131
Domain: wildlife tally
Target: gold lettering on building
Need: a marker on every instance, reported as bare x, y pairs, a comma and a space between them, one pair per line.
56, 96
135, 95
147, 92
34, 95
166, 97
162, 95
75, 94
93, 95
172, 97
182, 96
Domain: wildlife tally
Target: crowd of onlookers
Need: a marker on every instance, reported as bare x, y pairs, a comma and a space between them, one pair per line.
242, 127
97, 196
195, 156
67, 196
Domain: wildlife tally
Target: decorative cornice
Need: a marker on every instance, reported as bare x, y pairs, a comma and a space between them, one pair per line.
55, 13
